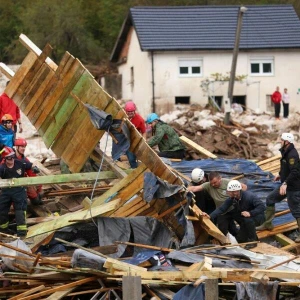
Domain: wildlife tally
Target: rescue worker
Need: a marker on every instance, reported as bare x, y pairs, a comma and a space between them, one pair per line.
289, 159
165, 137
8, 106
203, 199
6, 132
139, 124
13, 168
243, 207
34, 193
217, 189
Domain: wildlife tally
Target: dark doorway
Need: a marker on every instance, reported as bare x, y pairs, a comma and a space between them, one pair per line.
182, 100
240, 100
216, 99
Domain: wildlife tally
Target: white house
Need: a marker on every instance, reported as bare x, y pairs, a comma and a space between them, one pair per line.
167, 55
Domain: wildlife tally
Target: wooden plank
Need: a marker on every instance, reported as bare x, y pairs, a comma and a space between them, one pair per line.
283, 240
33, 48
97, 155
197, 147
19, 76
65, 85
63, 221
60, 288
119, 265
211, 289
277, 229
121, 211
266, 161
209, 226
61, 294
115, 190
55, 179
29, 292
47, 87
131, 288
8, 72
42, 75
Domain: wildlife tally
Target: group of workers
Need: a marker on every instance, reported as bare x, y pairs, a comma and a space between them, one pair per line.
14, 164
234, 204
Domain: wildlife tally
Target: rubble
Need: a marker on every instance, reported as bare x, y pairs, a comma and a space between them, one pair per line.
129, 204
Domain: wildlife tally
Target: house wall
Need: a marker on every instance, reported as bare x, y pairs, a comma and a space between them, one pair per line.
168, 83
139, 87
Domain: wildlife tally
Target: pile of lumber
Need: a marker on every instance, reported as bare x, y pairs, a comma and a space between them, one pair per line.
228, 141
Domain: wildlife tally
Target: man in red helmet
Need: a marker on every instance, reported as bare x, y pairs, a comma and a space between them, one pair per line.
139, 124
33, 192
8, 106
13, 168
7, 135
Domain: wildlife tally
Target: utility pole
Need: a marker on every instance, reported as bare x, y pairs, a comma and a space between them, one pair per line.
233, 65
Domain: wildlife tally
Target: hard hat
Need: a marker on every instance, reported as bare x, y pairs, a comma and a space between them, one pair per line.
130, 106
152, 117
7, 117
197, 175
234, 185
7, 152
20, 142
287, 137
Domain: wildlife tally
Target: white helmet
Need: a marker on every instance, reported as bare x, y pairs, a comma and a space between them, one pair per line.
197, 175
287, 137
234, 185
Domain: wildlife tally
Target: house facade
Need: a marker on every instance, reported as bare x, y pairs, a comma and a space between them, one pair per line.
177, 55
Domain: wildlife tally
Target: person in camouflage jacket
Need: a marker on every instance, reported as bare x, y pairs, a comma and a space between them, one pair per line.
165, 137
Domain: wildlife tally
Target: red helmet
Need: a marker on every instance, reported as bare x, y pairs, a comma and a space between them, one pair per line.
7, 117
20, 142
7, 152
130, 106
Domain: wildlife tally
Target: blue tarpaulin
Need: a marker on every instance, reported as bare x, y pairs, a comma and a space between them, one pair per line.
258, 181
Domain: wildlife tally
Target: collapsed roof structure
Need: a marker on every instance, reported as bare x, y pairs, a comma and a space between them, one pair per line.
57, 99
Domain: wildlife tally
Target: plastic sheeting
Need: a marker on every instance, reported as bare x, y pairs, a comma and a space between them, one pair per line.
256, 291
140, 230
259, 182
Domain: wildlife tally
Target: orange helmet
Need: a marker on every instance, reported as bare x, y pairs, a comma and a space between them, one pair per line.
7, 117
7, 152
20, 142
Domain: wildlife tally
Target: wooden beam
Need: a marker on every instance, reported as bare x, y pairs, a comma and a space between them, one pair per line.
25, 41
283, 240
64, 220
56, 179
132, 288
9, 73
197, 147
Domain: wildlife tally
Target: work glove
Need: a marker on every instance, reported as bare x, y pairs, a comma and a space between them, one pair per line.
36, 170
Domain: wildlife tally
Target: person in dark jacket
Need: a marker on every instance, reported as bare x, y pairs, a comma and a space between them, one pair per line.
243, 207
288, 161
165, 137
13, 168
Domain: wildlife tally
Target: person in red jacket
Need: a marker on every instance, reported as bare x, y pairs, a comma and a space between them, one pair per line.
34, 193
139, 124
276, 99
8, 106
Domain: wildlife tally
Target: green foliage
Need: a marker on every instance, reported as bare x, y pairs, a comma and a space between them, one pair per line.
88, 29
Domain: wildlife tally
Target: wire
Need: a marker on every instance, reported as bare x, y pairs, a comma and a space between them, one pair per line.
95, 184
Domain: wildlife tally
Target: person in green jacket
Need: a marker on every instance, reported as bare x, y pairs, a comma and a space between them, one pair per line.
165, 137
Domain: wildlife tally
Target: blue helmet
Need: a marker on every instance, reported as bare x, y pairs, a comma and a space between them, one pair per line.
152, 117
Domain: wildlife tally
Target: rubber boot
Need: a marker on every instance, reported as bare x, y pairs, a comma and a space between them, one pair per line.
21, 223
297, 240
269, 214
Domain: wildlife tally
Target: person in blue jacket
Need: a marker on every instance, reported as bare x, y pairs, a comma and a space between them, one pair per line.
7, 135
244, 208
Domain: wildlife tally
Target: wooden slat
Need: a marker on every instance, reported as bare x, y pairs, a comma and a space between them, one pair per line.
197, 147
63, 221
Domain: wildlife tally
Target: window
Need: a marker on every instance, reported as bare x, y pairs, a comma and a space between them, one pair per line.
190, 67
262, 66
182, 100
